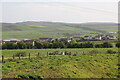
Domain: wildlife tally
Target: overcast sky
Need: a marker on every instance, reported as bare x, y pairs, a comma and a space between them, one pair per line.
75, 11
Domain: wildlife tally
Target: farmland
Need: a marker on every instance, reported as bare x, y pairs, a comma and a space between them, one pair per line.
35, 30
88, 63
9, 53
61, 40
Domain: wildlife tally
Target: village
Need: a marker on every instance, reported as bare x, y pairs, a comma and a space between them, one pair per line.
77, 39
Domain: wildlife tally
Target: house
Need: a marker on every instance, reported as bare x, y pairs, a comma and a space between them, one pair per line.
63, 53
111, 37
97, 37
23, 39
112, 32
87, 37
46, 39
65, 39
27, 40
10, 40
104, 38
14, 40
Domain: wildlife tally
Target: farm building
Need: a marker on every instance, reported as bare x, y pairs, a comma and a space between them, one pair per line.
65, 39
46, 39
87, 37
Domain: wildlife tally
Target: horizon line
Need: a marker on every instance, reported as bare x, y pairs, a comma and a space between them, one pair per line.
63, 22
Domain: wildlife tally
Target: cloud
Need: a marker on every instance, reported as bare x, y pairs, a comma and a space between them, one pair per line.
59, 0
66, 12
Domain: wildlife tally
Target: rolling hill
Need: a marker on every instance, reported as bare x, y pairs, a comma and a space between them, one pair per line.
35, 30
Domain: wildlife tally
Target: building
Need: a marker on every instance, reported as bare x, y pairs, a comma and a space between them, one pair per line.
65, 39
97, 38
46, 39
111, 37
77, 38
87, 38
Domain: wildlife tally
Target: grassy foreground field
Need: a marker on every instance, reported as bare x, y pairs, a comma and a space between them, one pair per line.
63, 66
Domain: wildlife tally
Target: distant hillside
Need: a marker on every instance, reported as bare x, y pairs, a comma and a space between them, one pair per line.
33, 30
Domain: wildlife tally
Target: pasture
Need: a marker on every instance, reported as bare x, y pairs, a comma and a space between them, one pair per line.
88, 63
35, 30
9, 53
60, 66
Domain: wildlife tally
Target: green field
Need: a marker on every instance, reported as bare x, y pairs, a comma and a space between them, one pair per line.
9, 53
35, 30
87, 65
82, 63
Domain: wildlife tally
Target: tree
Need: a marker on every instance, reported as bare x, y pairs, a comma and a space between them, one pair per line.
45, 45
98, 45
58, 45
81, 45
50, 45
38, 45
29, 45
9, 45
55, 45
21, 45
73, 41
89, 45
61, 45
118, 44
107, 45
86, 45
70, 45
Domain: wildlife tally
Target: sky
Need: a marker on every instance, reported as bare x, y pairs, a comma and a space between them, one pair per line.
59, 0
72, 11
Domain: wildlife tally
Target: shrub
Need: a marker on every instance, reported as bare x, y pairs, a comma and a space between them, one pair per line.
30, 76
111, 51
21, 45
67, 53
9, 45
23, 54
74, 54
51, 67
86, 45
10, 60
94, 52
50, 53
118, 44
29, 45
38, 45
107, 45
98, 46
56, 52
77, 59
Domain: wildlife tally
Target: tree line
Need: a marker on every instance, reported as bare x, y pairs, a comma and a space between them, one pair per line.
52, 45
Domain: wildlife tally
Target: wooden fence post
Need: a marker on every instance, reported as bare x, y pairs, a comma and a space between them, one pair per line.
47, 53
19, 56
38, 54
2, 59
29, 55
71, 53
